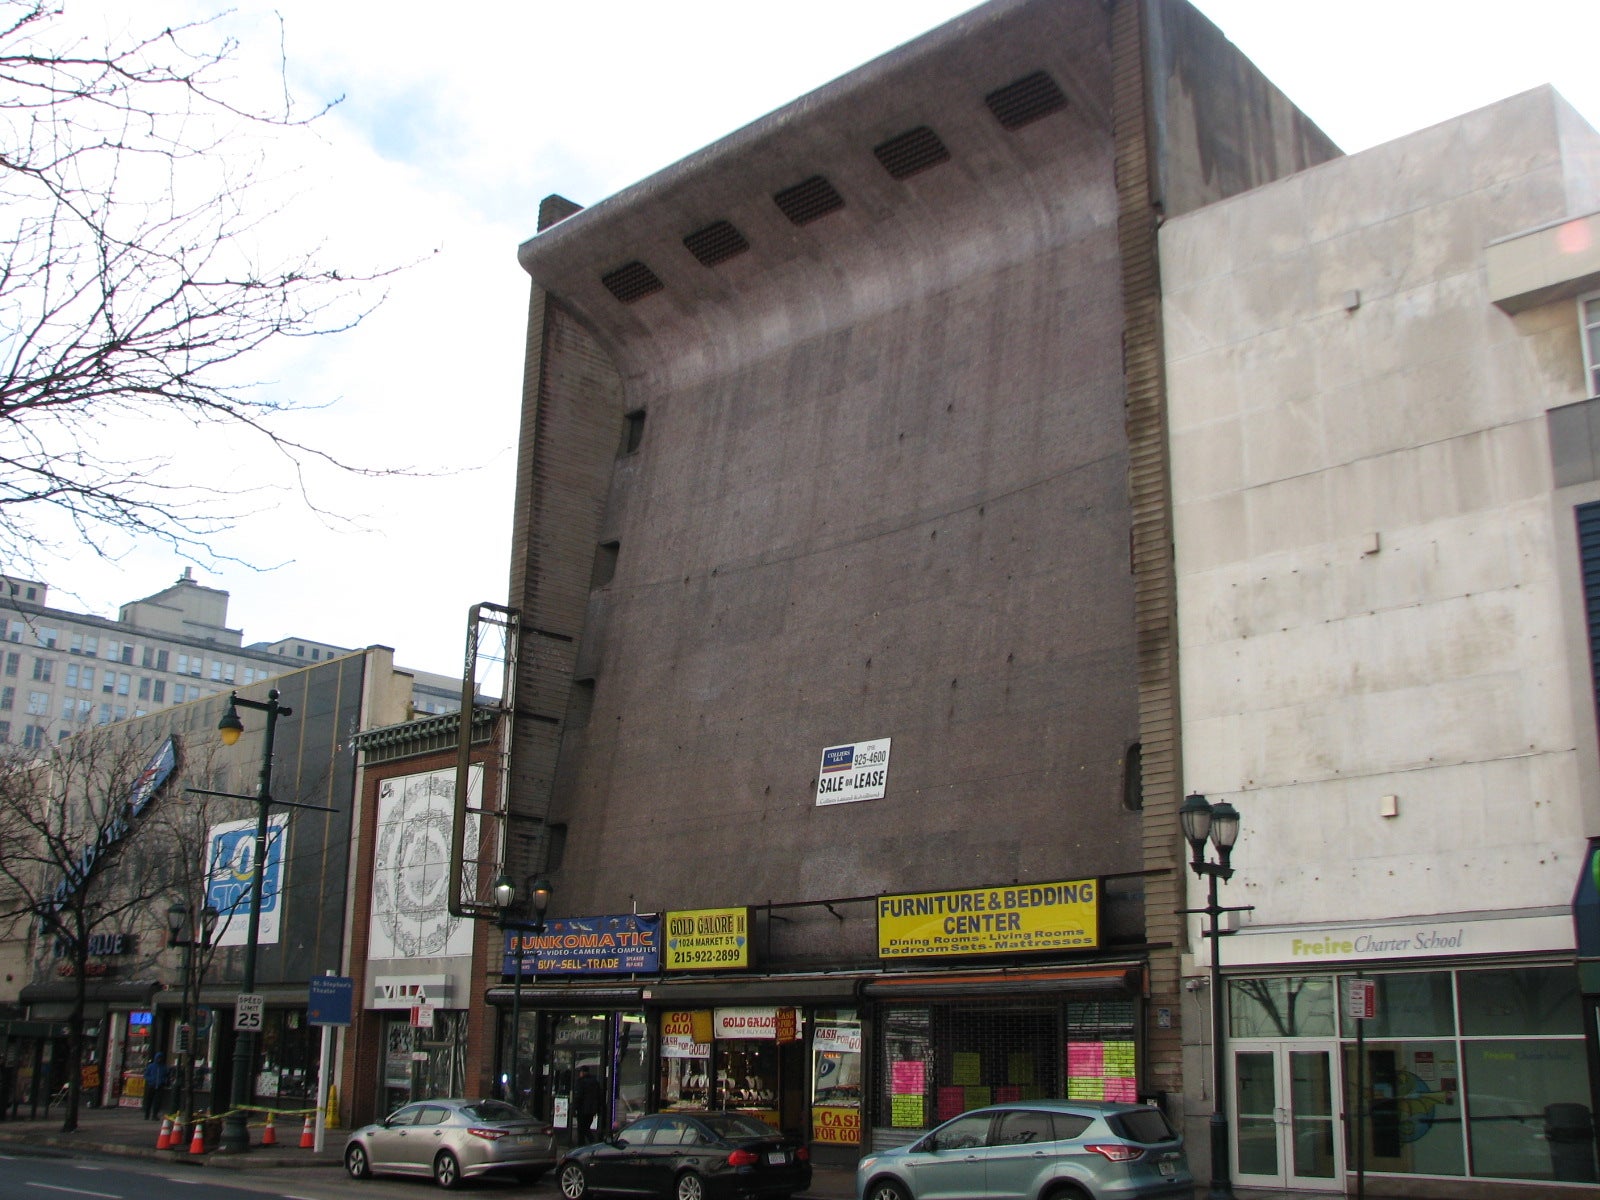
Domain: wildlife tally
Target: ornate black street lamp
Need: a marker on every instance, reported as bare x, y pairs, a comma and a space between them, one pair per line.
179, 921
235, 1131
505, 898
1219, 822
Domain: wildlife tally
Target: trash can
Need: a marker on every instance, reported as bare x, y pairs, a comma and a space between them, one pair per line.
1569, 1128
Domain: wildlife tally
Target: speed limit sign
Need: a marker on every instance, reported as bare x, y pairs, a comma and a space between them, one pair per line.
247, 1010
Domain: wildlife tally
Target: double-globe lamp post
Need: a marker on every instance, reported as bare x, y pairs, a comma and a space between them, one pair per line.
505, 898
235, 1130
1219, 822
179, 918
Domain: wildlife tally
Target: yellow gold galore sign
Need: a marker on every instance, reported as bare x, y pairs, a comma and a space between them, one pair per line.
1001, 920
707, 939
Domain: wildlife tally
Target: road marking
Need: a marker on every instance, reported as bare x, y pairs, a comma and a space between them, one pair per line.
50, 1187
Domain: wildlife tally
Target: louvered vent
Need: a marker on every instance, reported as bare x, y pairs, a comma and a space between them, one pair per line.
805, 202
633, 281
716, 243
912, 151
1029, 98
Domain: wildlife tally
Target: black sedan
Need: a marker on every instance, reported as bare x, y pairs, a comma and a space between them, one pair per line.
690, 1156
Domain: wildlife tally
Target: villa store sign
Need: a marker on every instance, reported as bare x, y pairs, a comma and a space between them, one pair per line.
857, 771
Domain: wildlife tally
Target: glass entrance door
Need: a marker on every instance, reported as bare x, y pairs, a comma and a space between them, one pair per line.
1284, 1120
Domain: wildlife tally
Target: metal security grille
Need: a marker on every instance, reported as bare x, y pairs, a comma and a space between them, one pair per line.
912, 151
1029, 98
938, 1060
808, 200
632, 281
716, 243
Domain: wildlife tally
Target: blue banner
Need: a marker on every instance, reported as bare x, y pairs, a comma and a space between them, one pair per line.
624, 944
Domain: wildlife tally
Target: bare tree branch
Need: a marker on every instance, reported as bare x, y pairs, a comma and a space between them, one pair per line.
133, 283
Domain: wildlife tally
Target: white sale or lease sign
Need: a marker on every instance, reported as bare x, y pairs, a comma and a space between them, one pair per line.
857, 771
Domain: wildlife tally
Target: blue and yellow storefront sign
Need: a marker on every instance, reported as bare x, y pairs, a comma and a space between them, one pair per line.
707, 939
626, 943
1001, 920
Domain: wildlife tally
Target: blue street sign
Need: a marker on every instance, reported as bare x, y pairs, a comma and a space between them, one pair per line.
332, 1000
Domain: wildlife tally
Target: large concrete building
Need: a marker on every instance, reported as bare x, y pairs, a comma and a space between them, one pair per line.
846, 433
62, 671
1386, 487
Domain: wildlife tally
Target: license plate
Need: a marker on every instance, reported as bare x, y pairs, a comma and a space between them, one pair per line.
777, 1158
1167, 1168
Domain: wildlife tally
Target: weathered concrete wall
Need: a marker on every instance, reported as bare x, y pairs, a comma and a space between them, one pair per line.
1219, 126
881, 492
1369, 559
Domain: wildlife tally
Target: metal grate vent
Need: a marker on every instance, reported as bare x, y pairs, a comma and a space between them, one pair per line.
912, 151
1028, 99
716, 243
807, 201
632, 281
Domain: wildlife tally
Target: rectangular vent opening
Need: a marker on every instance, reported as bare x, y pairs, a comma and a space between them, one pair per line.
912, 151
632, 281
716, 243
1029, 98
808, 200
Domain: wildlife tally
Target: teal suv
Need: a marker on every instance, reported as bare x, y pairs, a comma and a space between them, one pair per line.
1035, 1150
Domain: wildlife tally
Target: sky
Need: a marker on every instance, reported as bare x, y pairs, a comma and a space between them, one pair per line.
450, 132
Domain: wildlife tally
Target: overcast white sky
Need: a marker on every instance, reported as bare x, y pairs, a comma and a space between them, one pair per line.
459, 119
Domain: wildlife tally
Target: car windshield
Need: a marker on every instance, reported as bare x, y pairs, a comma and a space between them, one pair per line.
493, 1110
1146, 1125
734, 1127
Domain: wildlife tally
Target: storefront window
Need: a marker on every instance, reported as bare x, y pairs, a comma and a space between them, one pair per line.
1100, 1054
1533, 1000
1410, 1106
1411, 1004
1284, 1006
1528, 1109
836, 1076
633, 1069
942, 1059
747, 1078
424, 1062
288, 1064
685, 1059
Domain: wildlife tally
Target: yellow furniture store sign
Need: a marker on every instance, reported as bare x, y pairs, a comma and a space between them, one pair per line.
707, 939
1003, 920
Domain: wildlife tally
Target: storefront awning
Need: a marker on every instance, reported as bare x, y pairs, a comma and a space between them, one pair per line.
95, 993
1125, 977
602, 997
767, 989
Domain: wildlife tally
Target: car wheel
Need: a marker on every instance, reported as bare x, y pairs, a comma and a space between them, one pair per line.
574, 1184
690, 1187
446, 1170
355, 1161
886, 1189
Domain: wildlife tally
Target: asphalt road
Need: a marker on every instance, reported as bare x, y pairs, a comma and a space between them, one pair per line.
54, 1175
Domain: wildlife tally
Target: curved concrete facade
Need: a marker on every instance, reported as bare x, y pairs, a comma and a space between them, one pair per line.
880, 493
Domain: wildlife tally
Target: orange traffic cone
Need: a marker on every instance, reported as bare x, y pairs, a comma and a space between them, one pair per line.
269, 1135
197, 1144
308, 1138
164, 1138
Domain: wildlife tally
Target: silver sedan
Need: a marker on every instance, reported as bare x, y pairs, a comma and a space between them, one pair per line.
453, 1140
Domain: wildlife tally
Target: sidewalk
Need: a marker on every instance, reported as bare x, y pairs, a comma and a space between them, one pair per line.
125, 1133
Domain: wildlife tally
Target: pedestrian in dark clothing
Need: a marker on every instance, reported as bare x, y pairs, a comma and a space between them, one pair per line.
586, 1103
155, 1085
